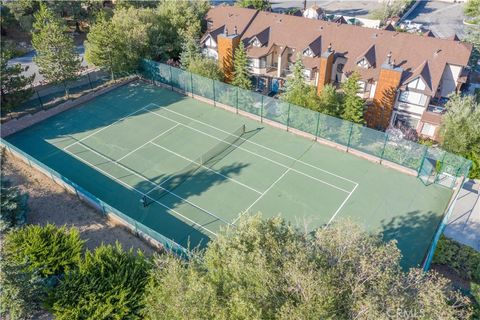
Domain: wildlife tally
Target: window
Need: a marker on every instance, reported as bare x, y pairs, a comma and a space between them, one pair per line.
428, 129
413, 98
417, 84
363, 63
258, 63
340, 67
308, 53
406, 121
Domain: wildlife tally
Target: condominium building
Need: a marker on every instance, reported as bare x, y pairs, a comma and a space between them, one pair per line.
405, 78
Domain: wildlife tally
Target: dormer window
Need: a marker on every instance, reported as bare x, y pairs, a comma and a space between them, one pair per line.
417, 84
308, 52
256, 43
363, 63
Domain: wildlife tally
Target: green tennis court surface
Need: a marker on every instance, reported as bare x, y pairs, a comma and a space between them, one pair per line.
197, 170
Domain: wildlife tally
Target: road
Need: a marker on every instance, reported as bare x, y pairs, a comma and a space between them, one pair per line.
27, 60
444, 18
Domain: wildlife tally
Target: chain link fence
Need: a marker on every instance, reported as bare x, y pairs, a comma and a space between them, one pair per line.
432, 165
50, 95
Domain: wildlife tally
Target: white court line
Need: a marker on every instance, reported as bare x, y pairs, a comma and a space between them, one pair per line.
256, 154
143, 145
111, 124
260, 145
264, 193
341, 206
151, 182
138, 191
205, 167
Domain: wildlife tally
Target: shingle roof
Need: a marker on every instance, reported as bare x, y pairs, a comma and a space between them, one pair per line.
409, 51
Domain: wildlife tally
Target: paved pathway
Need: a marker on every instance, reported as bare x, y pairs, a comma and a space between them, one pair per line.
464, 224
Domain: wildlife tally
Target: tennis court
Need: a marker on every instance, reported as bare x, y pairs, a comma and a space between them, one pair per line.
185, 169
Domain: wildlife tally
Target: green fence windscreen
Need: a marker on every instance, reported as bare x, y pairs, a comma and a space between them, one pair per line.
420, 158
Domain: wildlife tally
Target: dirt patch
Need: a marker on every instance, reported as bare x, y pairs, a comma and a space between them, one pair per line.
50, 203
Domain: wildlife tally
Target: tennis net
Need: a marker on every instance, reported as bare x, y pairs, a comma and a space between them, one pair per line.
208, 159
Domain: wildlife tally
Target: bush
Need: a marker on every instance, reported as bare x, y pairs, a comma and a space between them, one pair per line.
461, 258
13, 208
266, 269
108, 284
32, 258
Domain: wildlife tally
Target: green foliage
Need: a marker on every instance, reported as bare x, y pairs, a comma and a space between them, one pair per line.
30, 257
297, 91
472, 36
353, 105
461, 258
256, 4
330, 101
266, 269
390, 8
460, 129
13, 84
56, 57
206, 67
176, 21
475, 289
241, 76
472, 8
13, 206
109, 283
119, 43
190, 52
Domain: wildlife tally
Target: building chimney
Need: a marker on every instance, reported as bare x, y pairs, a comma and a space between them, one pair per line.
226, 45
378, 115
235, 30
325, 68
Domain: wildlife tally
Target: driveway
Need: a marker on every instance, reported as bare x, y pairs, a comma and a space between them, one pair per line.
444, 18
27, 60
464, 223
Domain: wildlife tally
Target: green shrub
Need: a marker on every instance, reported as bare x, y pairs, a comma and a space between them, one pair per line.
109, 284
31, 258
461, 258
13, 207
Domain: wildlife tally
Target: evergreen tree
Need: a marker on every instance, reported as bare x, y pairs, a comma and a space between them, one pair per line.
330, 101
13, 83
353, 104
56, 57
206, 67
297, 91
240, 75
256, 4
190, 51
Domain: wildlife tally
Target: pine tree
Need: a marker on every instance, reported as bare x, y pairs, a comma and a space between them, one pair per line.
353, 104
330, 101
13, 83
240, 75
56, 57
190, 51
297, 91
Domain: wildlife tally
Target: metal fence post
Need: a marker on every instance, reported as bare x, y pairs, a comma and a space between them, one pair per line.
261, 110
89, 81
191, 83
384, 146
171, 78
236, 102
350, 136
39, 99
318, 126
213, 89
288, 116
423, 161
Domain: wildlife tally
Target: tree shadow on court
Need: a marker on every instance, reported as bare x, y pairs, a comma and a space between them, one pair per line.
414, 233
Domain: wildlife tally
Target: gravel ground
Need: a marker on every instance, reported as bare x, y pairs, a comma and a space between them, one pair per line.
50, 203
